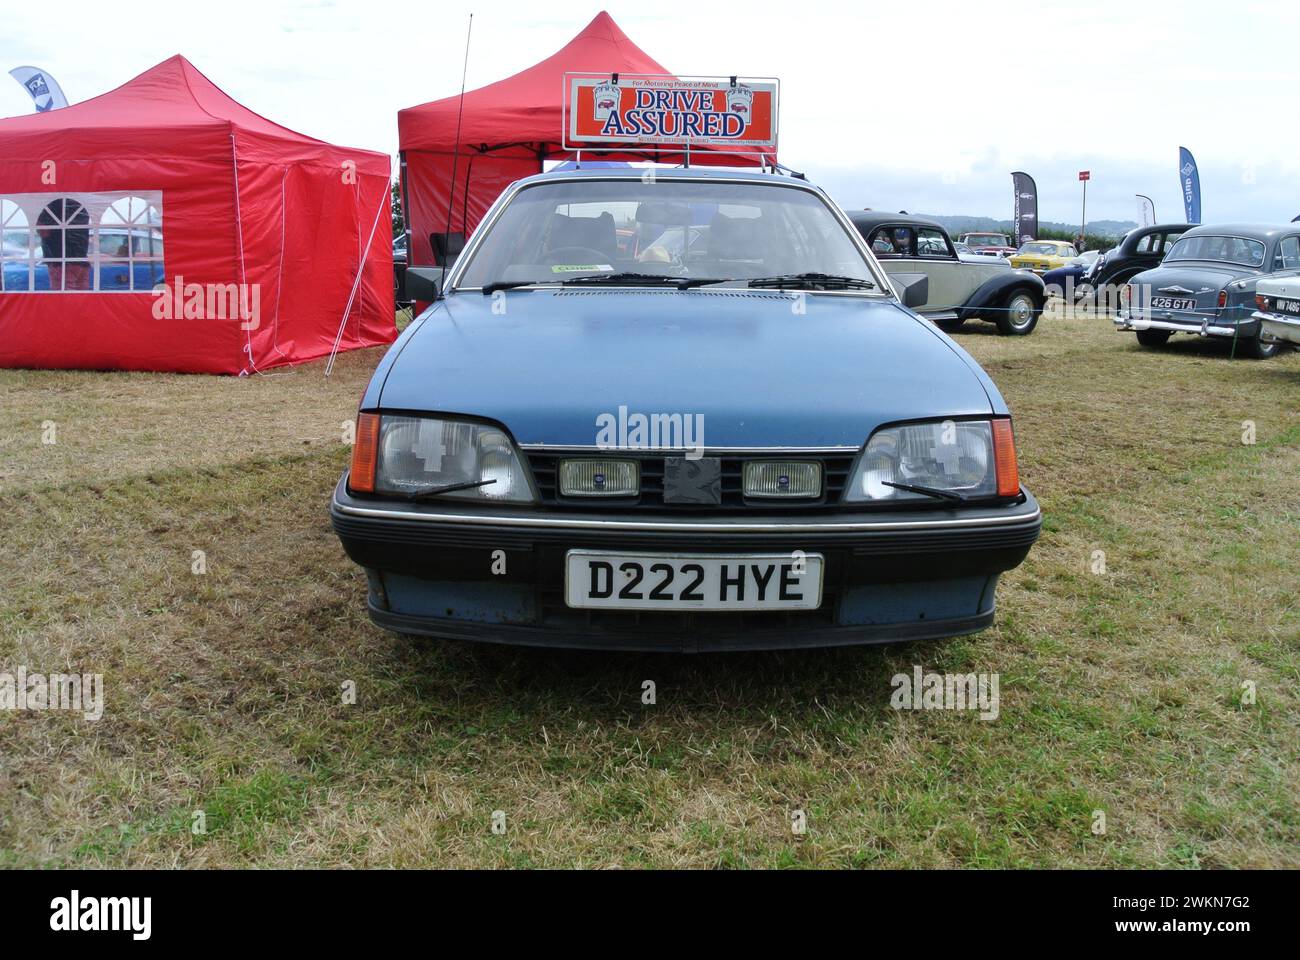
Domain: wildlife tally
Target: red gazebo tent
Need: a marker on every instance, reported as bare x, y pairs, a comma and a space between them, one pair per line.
507, 130
267, 241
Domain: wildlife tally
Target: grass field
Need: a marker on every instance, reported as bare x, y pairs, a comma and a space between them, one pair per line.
1127, 692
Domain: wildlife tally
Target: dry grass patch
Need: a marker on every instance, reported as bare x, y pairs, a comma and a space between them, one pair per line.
1120, 692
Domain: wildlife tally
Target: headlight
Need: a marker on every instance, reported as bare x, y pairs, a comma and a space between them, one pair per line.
414, 455
972, 459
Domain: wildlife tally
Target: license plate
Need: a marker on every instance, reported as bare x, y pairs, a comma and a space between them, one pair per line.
1283, 305
1172, 303
601, 579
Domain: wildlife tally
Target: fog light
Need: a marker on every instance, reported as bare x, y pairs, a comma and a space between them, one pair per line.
600, 478
782, 478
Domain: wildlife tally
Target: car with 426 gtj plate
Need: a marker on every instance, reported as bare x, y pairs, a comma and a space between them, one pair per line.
1206, 286
959, 288
748, 441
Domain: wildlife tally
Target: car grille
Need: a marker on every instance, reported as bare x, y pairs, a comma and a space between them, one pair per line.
835, 474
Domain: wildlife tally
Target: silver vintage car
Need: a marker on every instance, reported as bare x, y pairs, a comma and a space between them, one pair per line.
960, 288
1207, 285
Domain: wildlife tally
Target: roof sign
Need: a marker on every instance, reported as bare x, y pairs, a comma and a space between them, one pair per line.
647, 109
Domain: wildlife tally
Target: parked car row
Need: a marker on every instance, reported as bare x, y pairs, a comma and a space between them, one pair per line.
1208, 286
835, 469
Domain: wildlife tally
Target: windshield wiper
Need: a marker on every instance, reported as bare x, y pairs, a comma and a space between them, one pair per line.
681, 283
927, 491
490, 288
430, 492
805, 279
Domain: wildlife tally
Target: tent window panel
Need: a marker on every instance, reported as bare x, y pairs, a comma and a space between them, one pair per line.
82, 242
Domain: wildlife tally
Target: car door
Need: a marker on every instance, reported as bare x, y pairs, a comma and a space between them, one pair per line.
901, 248
1286, 257
952, 280
1149, 251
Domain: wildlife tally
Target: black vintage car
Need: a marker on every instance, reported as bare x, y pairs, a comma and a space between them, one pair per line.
1141, 249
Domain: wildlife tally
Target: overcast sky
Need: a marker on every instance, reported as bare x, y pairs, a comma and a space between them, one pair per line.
925, 106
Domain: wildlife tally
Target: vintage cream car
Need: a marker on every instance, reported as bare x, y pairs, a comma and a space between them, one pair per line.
960, 288
1278, 313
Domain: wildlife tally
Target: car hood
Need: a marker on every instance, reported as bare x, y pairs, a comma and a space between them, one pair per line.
763, 368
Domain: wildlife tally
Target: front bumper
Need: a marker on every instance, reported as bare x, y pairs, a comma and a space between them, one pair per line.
1276, 326
458, 571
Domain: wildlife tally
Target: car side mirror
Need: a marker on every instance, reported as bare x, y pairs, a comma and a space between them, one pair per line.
424, 283
912, 288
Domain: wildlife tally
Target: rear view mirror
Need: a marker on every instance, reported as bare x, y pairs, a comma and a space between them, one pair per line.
659, 212
912, 288
424, 283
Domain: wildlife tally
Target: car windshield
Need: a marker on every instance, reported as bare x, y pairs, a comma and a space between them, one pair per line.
1048, 249
1239, 250
985, 240
568, 229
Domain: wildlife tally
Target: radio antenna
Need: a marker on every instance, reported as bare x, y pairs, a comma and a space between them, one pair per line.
455, 159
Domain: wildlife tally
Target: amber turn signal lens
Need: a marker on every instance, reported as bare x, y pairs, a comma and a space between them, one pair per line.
365, 452
1004, 454
1261, 301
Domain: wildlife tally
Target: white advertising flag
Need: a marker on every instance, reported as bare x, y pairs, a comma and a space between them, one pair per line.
1146, 211
44, 89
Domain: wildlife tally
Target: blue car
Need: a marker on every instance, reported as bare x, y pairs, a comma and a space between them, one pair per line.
745, 442
1067, 281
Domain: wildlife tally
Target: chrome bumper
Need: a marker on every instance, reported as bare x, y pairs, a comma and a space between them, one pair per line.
1275, 326
1204, 327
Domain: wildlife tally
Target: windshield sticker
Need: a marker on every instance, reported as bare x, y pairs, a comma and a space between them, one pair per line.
581, 268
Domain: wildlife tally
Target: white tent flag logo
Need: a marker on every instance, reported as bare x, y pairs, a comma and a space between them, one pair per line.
44, 89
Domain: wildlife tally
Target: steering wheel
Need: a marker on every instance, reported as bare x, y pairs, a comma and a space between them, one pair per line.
577, 255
